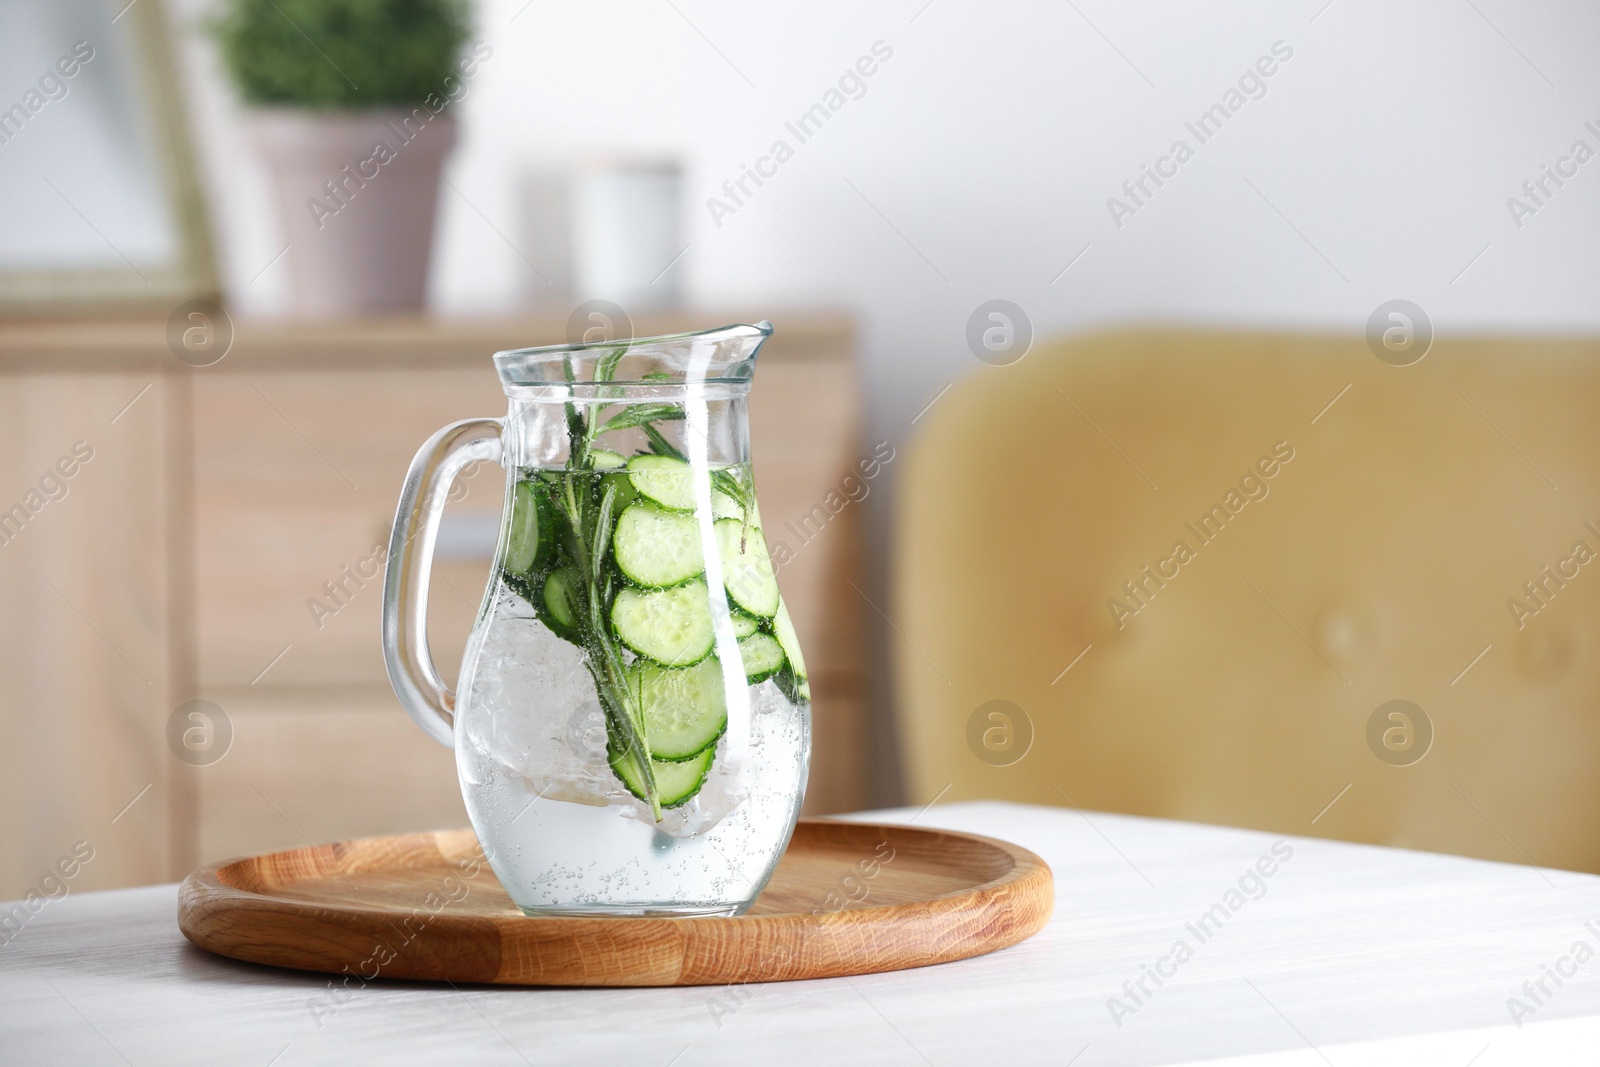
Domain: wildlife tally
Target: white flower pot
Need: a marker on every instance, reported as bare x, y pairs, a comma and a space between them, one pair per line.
357, 195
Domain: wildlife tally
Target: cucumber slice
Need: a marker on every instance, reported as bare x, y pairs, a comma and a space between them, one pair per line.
667, 481
670, 482
671, 626
657, 548
561, 600
746, 568
685, 708
614, 475
532, 529
676, 783
763, 657
783, 630
744, 625
792, 679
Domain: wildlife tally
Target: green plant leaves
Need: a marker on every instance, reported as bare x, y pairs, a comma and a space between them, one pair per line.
342, 54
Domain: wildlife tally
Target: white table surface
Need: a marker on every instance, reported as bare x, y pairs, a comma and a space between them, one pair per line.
1350, 955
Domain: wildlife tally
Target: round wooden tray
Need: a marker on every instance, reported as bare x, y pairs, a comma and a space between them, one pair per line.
847, 898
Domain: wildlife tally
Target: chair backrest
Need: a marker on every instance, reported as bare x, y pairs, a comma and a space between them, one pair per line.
1195, 569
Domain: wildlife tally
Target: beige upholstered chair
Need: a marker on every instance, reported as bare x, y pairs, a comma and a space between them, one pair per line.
1355, 533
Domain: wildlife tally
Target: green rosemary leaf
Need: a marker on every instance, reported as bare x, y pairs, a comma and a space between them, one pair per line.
605, 368
602, 532
640, 415
659, 442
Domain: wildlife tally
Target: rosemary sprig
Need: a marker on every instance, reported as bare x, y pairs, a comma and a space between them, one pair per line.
642, 415
587, 517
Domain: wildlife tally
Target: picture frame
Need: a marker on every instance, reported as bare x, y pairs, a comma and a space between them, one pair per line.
137, 85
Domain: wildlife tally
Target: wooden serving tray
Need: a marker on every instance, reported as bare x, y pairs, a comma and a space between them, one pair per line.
847, 898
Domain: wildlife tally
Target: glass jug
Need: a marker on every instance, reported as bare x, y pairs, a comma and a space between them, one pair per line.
632, 718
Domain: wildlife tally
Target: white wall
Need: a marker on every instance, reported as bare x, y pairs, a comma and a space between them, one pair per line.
991, 141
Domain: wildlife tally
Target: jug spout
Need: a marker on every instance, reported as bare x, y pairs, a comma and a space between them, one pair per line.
744, 341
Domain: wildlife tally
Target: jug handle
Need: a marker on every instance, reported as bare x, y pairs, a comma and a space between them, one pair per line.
406, 654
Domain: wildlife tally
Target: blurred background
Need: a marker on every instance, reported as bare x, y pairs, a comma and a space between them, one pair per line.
1078, 269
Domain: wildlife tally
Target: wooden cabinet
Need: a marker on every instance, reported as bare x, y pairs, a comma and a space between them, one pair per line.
221, 546
87, 658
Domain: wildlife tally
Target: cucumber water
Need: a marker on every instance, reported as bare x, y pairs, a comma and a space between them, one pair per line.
609, 559
631, 723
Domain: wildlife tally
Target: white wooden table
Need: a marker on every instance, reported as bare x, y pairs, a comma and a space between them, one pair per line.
1344, 954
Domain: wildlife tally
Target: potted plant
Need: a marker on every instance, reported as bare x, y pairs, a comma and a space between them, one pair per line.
351, 109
